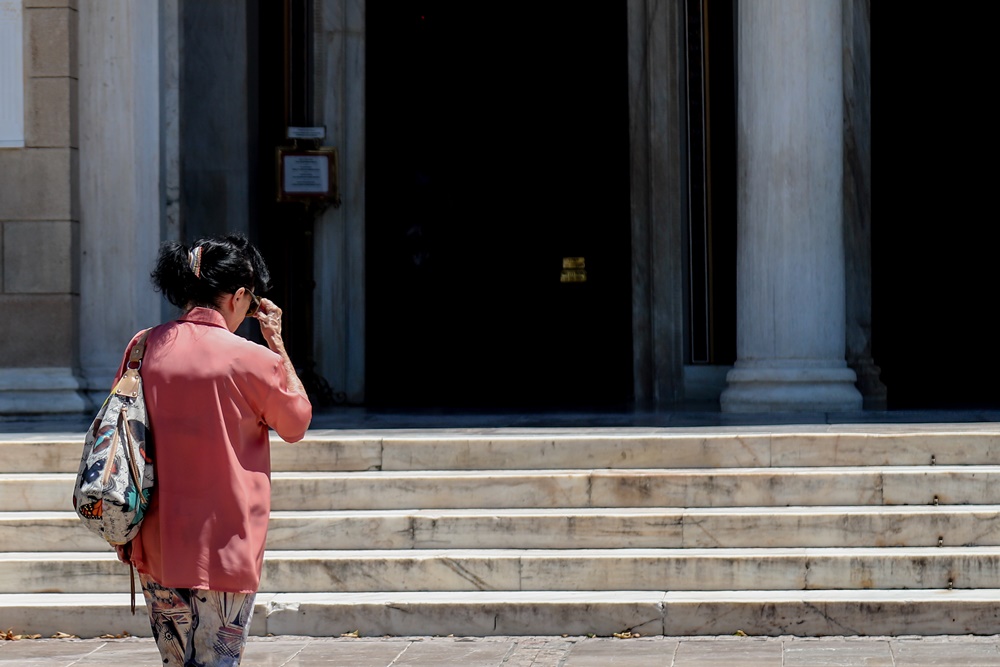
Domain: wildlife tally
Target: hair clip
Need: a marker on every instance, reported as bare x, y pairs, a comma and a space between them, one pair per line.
194, 261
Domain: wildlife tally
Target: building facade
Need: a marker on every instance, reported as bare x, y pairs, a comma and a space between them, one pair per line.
665, 205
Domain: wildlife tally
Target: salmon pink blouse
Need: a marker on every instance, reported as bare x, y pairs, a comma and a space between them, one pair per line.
212, 397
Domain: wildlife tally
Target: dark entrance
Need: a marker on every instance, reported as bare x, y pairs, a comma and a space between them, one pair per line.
711, 126
934, 231
497, 154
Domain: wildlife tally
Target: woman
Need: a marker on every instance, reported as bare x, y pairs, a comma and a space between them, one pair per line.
211, 397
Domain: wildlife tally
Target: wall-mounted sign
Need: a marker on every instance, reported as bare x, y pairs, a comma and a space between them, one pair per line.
315, 133
574, 270
308, 174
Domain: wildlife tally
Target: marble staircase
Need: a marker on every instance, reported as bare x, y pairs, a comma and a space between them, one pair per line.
804, 530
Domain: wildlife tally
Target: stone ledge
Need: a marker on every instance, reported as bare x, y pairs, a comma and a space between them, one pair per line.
947, 444
587, 528
762, 613
546, 570
40, 391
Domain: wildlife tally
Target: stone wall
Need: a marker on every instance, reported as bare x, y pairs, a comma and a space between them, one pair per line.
39, 222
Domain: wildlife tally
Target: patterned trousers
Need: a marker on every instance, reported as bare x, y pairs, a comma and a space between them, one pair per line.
198, 628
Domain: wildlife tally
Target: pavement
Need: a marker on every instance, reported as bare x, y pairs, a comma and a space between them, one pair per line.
947, 651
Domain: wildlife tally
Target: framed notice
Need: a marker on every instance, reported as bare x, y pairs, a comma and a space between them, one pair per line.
308, 174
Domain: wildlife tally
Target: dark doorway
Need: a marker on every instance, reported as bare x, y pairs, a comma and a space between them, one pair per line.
934, 231
281, 80
934, 331
711, 123
497, 180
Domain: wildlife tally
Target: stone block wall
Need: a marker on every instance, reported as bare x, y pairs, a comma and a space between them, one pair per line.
39, 222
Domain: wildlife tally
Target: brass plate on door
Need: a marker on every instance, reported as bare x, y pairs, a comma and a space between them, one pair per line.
573, 276
574, 262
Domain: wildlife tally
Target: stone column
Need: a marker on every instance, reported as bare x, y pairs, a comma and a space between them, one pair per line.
339, 331
790, 246
39, 212
858, 200
656, 121
121, 178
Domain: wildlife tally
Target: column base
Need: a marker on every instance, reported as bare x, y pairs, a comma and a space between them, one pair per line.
754, 388
34, 391
870, 384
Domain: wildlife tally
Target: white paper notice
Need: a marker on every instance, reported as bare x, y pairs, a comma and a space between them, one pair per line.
307, 174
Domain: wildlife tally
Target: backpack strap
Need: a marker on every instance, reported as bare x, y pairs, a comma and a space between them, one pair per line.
129, 384
131, 580
139, 349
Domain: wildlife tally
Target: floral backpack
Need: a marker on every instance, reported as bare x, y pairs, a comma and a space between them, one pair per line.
115, 480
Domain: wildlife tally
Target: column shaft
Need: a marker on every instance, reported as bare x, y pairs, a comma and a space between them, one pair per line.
790, 251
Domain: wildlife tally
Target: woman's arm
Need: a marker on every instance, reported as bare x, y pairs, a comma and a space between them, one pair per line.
269, 317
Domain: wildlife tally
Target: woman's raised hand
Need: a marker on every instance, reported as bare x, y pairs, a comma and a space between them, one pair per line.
269, 316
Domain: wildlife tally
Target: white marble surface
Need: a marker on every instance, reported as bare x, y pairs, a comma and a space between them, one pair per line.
573, 451
479, 614
890, 485
120, 179
317, 571
513, 449
36, 493
398, 490
92, 614
684, 448
339, 322
815, 613
334, 453
47, 532
69, 572
41, 455
40, 391
790, 291
581, 528
612, 528
761, 613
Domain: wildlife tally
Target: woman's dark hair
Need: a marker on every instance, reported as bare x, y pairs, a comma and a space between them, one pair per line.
226, 264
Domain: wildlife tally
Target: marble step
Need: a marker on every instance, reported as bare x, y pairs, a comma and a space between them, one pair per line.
723, 487
536, 449
576, 613
551, 569
581, 528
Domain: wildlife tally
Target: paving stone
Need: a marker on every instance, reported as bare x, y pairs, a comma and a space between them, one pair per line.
44, 652
454, 653
138, 654
325, 653
744, 652
607, 652
838, 653
967, 653
535, 651
538, 651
